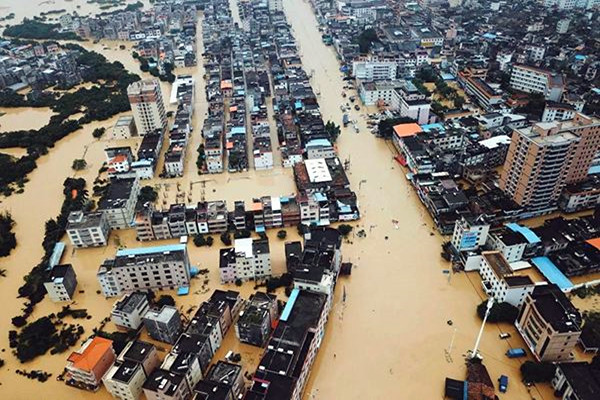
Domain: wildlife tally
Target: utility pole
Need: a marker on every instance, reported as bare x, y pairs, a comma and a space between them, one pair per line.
475, 352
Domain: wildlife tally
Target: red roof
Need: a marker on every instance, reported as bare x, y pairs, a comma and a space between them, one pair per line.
407, 129
91, 355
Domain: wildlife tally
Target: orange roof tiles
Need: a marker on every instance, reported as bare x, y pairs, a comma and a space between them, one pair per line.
407, 129
595, 242
91, 355
226, 85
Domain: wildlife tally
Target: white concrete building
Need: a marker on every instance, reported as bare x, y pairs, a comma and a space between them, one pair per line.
412, 103
124, 128
275, 5
148, 106
250, 259
145, 268
130, 310
87, 229
319, 148
118, 203
510, 244
124, 381
469, 234
534, 80
374, 69
61, 283
499, 281
558, 112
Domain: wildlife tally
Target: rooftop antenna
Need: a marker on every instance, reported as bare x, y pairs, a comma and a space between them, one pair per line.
475, 353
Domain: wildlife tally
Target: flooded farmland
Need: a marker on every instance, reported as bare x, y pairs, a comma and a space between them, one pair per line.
386, 341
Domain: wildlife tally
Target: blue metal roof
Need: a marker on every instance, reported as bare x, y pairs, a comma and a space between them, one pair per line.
146, 250
238, 129
289, 306
525, 231
594, 170
183, 290
259, 228
552, 273
318, 142
57, 252
319, 197
429, 127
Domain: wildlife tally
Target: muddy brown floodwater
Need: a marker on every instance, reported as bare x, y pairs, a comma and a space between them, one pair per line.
386, 341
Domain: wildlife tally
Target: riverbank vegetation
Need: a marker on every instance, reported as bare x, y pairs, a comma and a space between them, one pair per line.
8, 240
98, 103
32, 29
75, 198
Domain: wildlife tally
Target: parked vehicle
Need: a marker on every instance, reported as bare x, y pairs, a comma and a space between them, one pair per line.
516, 353
503, 383
356, 107
345, 120
352, 98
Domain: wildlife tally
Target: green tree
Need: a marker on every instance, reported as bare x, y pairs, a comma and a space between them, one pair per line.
199, 240
500, 312
165, 300
366, 39
79, 164
8, 240
332, 130
147, 194
282, 234
537, 371
98, 132
345, 229
226, 238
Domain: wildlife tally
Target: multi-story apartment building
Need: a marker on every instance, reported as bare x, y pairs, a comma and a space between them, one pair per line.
165, 385
275, 5
130, 310
576, 381
534, 80
61, 283
500, 282
118, 203
284, 368
470, 233
549, 324
124, 128
557, 112
228, 374
411, 102
487, 96
257, 319
145, 268
148, 107
249, 259
542, 159
86, 367
124, 380
587, 129
164, 324
537, 165
374, 69
87, 229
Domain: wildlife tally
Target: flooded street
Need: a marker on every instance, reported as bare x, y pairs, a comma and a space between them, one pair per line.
386, 341
30, 8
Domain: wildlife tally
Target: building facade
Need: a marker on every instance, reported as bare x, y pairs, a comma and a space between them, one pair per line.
147, 104
157, 267
549, 324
